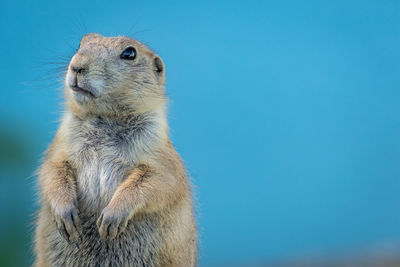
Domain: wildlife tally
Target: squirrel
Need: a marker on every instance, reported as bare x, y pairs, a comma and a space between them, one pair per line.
113, 190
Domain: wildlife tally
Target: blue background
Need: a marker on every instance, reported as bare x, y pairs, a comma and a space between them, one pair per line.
285, 112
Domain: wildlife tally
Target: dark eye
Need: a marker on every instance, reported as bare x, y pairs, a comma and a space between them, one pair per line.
129, 53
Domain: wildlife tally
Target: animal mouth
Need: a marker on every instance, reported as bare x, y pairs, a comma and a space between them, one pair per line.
78, 89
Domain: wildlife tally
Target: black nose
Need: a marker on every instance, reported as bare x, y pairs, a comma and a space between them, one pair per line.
78, 69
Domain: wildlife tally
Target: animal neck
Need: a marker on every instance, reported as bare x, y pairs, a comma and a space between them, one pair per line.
148, 126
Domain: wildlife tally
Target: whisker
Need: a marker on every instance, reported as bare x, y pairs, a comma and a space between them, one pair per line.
134, 25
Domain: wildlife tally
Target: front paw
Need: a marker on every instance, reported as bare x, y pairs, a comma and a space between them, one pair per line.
67, 221
111, 223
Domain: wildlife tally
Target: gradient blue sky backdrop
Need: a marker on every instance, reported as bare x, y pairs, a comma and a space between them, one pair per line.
286, 113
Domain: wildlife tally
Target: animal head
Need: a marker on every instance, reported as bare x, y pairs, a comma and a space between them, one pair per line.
111, 75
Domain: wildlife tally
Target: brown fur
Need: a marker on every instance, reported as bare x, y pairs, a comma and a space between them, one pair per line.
114, 191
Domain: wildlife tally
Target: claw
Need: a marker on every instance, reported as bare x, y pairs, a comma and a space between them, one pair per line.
63, 232
76, 244
68, 224
111, 223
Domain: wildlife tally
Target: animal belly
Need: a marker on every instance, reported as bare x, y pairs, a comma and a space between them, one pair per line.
138, 245
96, 184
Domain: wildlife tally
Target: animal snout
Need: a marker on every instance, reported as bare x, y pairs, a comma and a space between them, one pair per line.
80, 64
79, 69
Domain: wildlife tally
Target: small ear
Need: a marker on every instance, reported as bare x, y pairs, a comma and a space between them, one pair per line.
158, 67
90, 36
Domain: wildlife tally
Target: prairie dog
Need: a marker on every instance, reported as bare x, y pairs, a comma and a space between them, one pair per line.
113, 190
